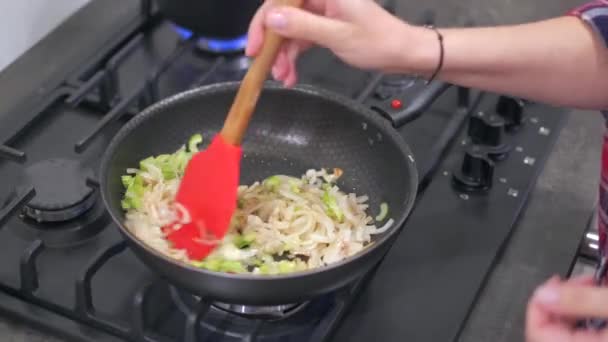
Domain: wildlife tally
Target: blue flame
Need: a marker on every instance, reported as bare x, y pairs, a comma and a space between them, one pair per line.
215, 45
184, 33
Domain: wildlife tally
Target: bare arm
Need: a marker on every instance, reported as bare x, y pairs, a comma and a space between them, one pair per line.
559, 61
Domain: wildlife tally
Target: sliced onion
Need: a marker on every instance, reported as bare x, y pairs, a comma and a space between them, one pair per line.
384, 228
183, 215
281, 220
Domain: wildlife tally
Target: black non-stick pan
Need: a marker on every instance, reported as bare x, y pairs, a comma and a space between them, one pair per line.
293, 130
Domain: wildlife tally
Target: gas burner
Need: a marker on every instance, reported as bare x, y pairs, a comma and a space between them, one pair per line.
61, 188
68, 233
222, 46
261, 312
280, 321
187, 303
217, 46
225, 69
240, 63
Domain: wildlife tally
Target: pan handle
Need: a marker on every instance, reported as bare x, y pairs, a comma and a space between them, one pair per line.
408, 105
428, 95
597, 324
424, 94
419, 104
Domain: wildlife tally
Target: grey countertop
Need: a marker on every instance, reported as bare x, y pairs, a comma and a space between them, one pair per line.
548, 234
545, 241
11, 331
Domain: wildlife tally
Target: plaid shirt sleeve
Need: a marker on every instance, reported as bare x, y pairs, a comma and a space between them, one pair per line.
595, 13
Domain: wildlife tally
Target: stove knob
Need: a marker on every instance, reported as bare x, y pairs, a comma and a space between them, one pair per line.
512, 110
486, 129
476, 172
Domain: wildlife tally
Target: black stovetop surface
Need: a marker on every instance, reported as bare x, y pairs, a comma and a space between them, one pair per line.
79, 280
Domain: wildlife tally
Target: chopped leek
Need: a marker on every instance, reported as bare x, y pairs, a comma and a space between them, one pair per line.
243, 241
332, 208
145, 164
272, 182
134, 192
281, 267
209, 264
219, 265
295, 186
232, 267
199, 264
180, 160
193, 143
170, 165
383, 212
127, 181
136, 202
255, 262
125, 204
265, 269
286, 266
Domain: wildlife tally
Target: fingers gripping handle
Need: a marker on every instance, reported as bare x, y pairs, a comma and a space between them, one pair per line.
247, 97
599, 277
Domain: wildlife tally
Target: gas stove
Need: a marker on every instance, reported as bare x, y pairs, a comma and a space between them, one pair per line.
66, 269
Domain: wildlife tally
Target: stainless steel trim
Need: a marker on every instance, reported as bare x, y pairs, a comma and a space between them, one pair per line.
261, 312
590, 242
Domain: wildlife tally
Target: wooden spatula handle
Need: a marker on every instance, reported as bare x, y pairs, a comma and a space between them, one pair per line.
247, 97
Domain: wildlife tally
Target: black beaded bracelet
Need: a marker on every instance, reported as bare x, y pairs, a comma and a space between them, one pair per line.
441, 53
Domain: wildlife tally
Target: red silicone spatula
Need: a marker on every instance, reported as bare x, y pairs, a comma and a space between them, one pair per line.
208, 190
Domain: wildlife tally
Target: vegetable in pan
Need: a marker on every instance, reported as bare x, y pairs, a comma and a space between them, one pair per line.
283, 224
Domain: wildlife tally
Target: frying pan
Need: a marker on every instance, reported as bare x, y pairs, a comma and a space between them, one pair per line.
292, 130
